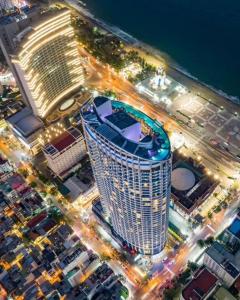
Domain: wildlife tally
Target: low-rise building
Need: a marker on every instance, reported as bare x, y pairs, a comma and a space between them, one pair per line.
82, 271
191, 185
221, 263
5, 166
4, 203
223, 294
201, 286
6, 169
232, 233
65, 152
41, 257
76, 186
72, 257
26, 128
8, 192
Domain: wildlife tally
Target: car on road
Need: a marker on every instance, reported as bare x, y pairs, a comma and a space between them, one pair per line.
165, 259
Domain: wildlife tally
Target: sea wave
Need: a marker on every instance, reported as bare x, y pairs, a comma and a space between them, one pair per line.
234, 99
185, 72
217, 91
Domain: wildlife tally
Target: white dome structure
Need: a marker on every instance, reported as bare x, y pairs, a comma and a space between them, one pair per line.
183, 179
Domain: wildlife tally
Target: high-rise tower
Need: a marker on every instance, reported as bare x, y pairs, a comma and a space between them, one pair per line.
45, 60
10, 4
131, 159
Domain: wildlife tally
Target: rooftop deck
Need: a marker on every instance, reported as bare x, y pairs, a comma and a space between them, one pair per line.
63, 141
154, 146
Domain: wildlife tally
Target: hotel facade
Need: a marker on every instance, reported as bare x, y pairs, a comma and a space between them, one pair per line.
65, 152
44, 58
131, 159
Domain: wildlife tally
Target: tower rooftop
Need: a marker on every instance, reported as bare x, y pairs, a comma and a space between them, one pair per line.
121, 123
121, 119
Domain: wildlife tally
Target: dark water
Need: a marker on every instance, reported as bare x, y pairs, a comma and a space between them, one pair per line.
202, 36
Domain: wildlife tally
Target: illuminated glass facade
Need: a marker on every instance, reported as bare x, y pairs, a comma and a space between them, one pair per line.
132, 169
9, 4
48, 63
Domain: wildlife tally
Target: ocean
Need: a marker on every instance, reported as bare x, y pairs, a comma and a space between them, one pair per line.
201, 36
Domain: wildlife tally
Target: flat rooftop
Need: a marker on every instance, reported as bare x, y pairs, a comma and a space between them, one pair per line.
100, 100
223, 294
200, 286
25, 122
220, 255
121, 119
234, 228
154, 145
17, 15
63, 141
190, 183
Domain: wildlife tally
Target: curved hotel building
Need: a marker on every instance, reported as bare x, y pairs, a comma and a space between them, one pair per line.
10, 4
47, 62
131, 159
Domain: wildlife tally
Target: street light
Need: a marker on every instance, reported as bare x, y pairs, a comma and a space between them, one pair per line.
209, 172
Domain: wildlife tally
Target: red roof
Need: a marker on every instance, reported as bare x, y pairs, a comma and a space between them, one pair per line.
16, 185
63, 141
237, 284
200, 286
36, 220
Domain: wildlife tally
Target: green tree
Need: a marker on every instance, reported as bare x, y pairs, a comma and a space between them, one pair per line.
105, 257
133, 56
24, 172
209, 241
210, 215
53, 191
218, 209
110, 93
33, 184
201, 243
42, 178
44, 194
170, 294
184, 276
192, 266
56, 214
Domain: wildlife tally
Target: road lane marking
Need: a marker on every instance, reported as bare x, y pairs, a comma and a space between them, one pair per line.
211, 228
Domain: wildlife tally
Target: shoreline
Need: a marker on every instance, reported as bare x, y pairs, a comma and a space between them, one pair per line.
156, 57
150, 54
